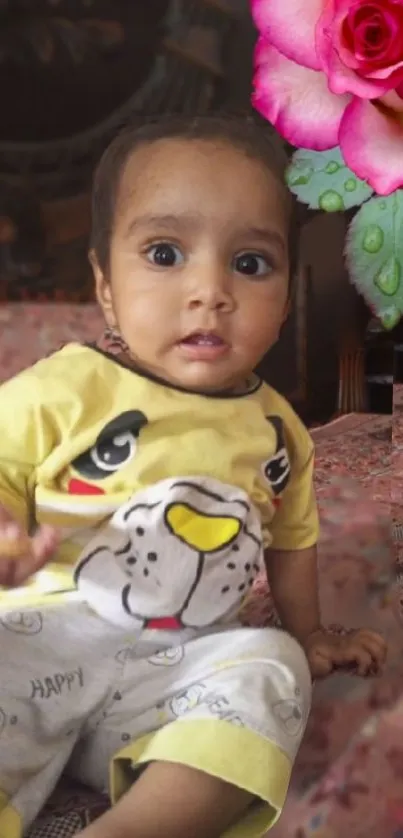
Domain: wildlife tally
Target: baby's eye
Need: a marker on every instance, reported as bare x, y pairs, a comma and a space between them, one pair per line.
165, 255
252, 264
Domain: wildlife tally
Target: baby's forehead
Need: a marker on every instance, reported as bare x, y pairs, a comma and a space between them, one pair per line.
178, 176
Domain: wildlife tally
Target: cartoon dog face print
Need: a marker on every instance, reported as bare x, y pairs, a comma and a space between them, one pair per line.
182, 553
289, 716
277, 469
114, 448
22, 622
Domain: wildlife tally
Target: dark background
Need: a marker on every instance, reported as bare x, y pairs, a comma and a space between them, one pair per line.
71, 74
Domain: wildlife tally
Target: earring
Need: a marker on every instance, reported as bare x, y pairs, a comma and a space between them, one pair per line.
114, 341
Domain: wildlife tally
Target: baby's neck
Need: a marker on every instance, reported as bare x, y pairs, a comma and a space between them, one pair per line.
237, 390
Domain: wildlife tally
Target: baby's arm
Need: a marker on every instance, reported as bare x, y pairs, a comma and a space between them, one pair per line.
293, 579
20, 555
291, 564
24, 441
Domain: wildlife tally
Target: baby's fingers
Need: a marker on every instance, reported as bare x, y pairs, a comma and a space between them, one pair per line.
14, 571
7, 572
12, 535
351, 653
44, 543
364, 661
27, 557
356, 653
40, 549
375, 644
320, 663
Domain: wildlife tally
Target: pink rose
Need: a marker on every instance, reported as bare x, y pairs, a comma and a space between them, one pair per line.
330, 72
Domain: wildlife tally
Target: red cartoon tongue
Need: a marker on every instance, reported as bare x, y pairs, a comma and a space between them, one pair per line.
164, 624
80, 487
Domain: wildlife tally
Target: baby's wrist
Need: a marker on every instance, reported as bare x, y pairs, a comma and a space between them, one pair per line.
306, 638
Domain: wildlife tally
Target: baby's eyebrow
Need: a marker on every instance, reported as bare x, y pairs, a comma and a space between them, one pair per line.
161, 221
193, 221
265, 234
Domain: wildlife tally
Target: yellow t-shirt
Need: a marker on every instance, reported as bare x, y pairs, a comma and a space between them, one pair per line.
81, 434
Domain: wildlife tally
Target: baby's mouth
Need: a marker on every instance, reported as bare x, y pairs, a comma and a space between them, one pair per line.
204, 339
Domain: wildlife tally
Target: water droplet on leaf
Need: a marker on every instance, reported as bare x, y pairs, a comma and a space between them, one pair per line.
373, 239
331, 201
299, 174
388, 278
332, 167
390, 317
350, 185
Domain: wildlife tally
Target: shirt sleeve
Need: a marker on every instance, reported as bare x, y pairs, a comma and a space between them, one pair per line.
26, 438
295, 525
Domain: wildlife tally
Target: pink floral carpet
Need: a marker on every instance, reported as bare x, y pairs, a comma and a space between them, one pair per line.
348, 780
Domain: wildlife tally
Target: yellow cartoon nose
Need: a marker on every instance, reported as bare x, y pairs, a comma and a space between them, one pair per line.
205, 533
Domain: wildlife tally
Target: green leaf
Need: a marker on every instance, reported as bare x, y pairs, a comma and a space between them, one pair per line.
321, 180
374, 255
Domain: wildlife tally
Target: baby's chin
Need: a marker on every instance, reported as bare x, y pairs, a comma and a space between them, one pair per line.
205, 379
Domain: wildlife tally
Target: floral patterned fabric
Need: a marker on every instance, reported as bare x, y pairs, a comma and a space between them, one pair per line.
348, 779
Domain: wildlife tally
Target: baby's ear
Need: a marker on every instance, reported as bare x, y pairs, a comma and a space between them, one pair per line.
92, 258
103, 291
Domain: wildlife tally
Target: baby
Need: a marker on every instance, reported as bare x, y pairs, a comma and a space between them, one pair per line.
142, 493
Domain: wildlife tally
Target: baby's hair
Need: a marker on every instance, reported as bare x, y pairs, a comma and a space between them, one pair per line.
242, 132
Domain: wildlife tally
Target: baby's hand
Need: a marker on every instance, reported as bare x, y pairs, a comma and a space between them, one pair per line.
362, 649
20, 555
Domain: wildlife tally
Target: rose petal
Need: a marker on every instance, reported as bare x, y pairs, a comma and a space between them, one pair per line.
371, 142
297, 101
393, 74
261, 49
290, 26
341, 77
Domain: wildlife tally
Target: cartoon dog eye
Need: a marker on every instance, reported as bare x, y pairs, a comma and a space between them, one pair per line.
277, 470
113, 454
115, 447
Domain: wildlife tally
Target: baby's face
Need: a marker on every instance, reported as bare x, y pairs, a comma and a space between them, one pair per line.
198, 279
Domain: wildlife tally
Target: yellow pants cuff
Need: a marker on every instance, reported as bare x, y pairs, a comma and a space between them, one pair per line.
229, 752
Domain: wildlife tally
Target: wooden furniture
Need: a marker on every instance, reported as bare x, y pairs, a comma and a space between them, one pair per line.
381, 354
118, 62
285, 367
352, 394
